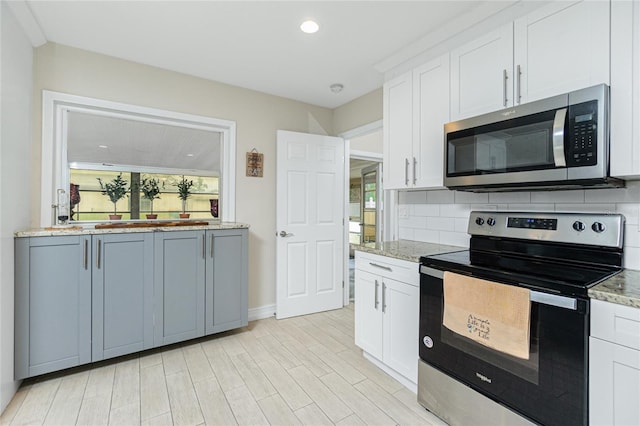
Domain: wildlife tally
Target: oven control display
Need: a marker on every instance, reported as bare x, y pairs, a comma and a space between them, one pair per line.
531, 223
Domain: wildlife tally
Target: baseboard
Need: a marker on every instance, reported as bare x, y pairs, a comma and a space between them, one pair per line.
409, 384
262, 312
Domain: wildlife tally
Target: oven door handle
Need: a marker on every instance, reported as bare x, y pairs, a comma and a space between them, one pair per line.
534, 296
553, 300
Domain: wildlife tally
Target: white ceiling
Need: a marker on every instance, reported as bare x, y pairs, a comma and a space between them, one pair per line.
256, 45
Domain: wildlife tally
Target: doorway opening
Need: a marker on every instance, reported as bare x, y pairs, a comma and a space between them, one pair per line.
365, 203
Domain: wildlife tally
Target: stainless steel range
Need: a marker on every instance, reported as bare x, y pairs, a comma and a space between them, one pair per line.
472, 314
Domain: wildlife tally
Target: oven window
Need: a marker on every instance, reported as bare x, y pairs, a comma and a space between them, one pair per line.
526, 369
524, 143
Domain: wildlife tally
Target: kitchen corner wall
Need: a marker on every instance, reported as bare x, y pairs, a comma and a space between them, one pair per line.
441, 216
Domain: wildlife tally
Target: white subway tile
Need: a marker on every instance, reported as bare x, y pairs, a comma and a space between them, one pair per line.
426, 209
631, 236
510, 197
440, 197
488, 207
455, 210
461, 225
412, 197
630, 194
413, 222
632, 258
470, 197
531, 207
441, 223
558, 197
630, 211
586, 208
406, 234
454, 239
427, 236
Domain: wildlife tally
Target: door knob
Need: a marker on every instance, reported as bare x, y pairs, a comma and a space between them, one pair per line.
284, 234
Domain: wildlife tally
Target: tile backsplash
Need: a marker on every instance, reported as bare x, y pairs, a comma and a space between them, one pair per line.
441, 216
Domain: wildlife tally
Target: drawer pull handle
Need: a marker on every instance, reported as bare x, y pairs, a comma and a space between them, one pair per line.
386, 268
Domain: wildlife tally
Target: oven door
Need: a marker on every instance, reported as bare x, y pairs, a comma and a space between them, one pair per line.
549, 388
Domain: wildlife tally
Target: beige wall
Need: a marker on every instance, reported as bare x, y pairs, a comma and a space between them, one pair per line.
258, 116
15, 175
363, 110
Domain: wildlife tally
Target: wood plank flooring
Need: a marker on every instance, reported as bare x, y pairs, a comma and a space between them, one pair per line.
298, 371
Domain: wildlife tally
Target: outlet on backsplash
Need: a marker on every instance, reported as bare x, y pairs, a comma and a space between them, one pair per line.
403, 212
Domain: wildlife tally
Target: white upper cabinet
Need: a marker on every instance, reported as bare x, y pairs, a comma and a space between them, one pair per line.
416, 107
625, 89
430, 113
398, 131
481, 73
559, 48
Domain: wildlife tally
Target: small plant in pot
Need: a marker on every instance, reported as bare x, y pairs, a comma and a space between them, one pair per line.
150, 189
184, 191
115, 190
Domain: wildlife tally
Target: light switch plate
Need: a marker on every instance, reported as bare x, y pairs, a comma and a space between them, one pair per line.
403, 212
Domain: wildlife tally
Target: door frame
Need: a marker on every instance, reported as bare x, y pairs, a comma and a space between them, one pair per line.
360, 155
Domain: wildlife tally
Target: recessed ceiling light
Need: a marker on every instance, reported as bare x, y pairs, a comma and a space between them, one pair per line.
189, 155
309, 27
103, 146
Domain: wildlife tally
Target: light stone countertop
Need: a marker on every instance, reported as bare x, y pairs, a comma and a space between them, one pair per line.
90, 230
405, 249
623, 289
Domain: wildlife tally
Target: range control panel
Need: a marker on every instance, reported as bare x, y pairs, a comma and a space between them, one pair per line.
580, 228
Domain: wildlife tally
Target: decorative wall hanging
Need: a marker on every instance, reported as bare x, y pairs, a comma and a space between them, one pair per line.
255, 162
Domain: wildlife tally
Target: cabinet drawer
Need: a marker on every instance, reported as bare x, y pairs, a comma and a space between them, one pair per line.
616, 323
400, 270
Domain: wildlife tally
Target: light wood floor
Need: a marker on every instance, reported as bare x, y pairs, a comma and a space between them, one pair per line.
303, 370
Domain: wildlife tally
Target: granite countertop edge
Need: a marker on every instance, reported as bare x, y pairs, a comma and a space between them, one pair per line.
405, 249
622, 289
40, 232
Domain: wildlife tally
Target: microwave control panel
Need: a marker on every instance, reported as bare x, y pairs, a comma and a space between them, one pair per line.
582, 149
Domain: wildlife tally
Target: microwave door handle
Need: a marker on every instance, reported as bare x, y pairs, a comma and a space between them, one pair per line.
558, 138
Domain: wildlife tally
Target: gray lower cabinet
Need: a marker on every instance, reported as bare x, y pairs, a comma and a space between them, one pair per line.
52, 304
122, 299
87, 298
226, 280
179, 286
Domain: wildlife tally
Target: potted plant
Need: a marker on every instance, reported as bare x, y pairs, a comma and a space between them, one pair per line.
115, 190
150, 189
184, 192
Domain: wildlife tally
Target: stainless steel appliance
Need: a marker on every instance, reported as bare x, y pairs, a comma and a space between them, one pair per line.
556, 143
557, 256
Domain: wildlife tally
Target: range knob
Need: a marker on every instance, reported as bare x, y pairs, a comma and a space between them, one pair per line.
479, 221
598, 227
491, 221
579, 226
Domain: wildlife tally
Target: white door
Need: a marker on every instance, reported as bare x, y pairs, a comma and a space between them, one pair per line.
310, 223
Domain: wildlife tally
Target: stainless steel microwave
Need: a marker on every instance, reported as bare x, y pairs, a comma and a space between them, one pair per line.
556, 143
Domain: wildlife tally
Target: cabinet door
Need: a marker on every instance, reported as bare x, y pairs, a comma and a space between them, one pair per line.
614, 384
179, 286
368, 312
430, 113
481, 74
52, 304
625, 92
122, 294
398, 132
561, 47
227, 281
400, 305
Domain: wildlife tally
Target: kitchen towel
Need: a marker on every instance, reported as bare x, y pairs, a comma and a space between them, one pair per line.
492, 314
